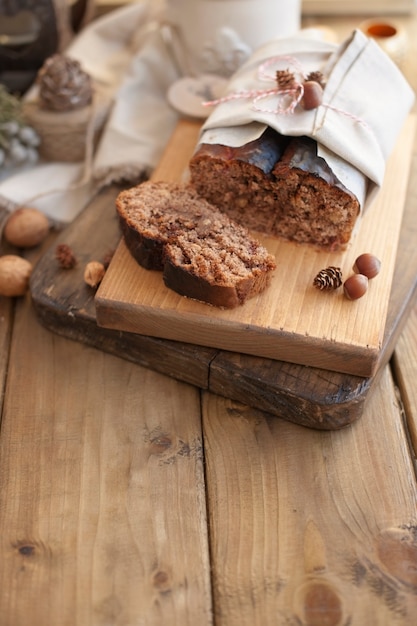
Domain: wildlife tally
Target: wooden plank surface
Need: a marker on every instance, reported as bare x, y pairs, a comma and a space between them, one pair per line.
311, 528
6, 317
405, 368
405, 355
102, 489
308, 396
65, 303
291, 321
94, 497
102, 513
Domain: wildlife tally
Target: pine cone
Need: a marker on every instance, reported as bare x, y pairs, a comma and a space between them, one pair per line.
285, 79
65, 256
317, 77
63, 84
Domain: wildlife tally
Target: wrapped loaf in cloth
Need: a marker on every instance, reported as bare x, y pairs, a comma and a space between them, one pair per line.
298, 145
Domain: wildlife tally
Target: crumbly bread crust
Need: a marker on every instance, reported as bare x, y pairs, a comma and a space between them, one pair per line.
296, 197
202, 253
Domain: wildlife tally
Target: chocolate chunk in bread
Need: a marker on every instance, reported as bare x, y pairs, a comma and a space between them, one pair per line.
202, 253
279, 186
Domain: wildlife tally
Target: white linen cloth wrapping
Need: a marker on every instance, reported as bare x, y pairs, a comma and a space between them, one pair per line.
131, 66
365, 102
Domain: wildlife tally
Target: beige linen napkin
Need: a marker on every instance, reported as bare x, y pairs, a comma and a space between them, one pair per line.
365, 101
131, 68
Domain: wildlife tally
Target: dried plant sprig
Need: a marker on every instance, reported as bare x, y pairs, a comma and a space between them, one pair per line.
18, 140
10, 107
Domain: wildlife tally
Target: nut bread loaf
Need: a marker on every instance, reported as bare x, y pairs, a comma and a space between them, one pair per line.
201, 252
277, 185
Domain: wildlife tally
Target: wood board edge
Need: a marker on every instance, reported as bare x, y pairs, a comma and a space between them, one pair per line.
134, 315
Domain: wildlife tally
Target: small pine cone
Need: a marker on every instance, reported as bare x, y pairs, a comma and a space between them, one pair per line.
317, 77
285, 80
328, 279
65, 257
63, 84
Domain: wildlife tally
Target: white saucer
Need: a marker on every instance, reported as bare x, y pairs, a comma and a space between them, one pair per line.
187, 94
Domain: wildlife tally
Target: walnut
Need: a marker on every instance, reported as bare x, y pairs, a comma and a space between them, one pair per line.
26, 227
14, 275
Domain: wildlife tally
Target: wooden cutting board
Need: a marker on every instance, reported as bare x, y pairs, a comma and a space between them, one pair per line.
308, 396
291, 321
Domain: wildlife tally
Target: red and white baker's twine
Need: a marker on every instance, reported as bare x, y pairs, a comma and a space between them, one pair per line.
294, 94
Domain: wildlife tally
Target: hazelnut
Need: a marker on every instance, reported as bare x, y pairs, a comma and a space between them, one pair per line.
26, 227
94, 273
367, 264
355, 286
14, 275
313, 95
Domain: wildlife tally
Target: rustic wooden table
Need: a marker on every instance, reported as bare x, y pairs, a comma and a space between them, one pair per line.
129, 498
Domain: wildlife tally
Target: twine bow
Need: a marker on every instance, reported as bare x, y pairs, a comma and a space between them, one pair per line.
289, 97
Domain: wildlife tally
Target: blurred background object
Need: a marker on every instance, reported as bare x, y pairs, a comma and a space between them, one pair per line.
389, 35
31, 31
358, 7
216, 37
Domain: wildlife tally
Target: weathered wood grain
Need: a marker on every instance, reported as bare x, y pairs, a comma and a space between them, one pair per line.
309, 396
6, 318
319, 398
405, 354
311, 528
102, 513
65, 304
102, 500
405, 369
